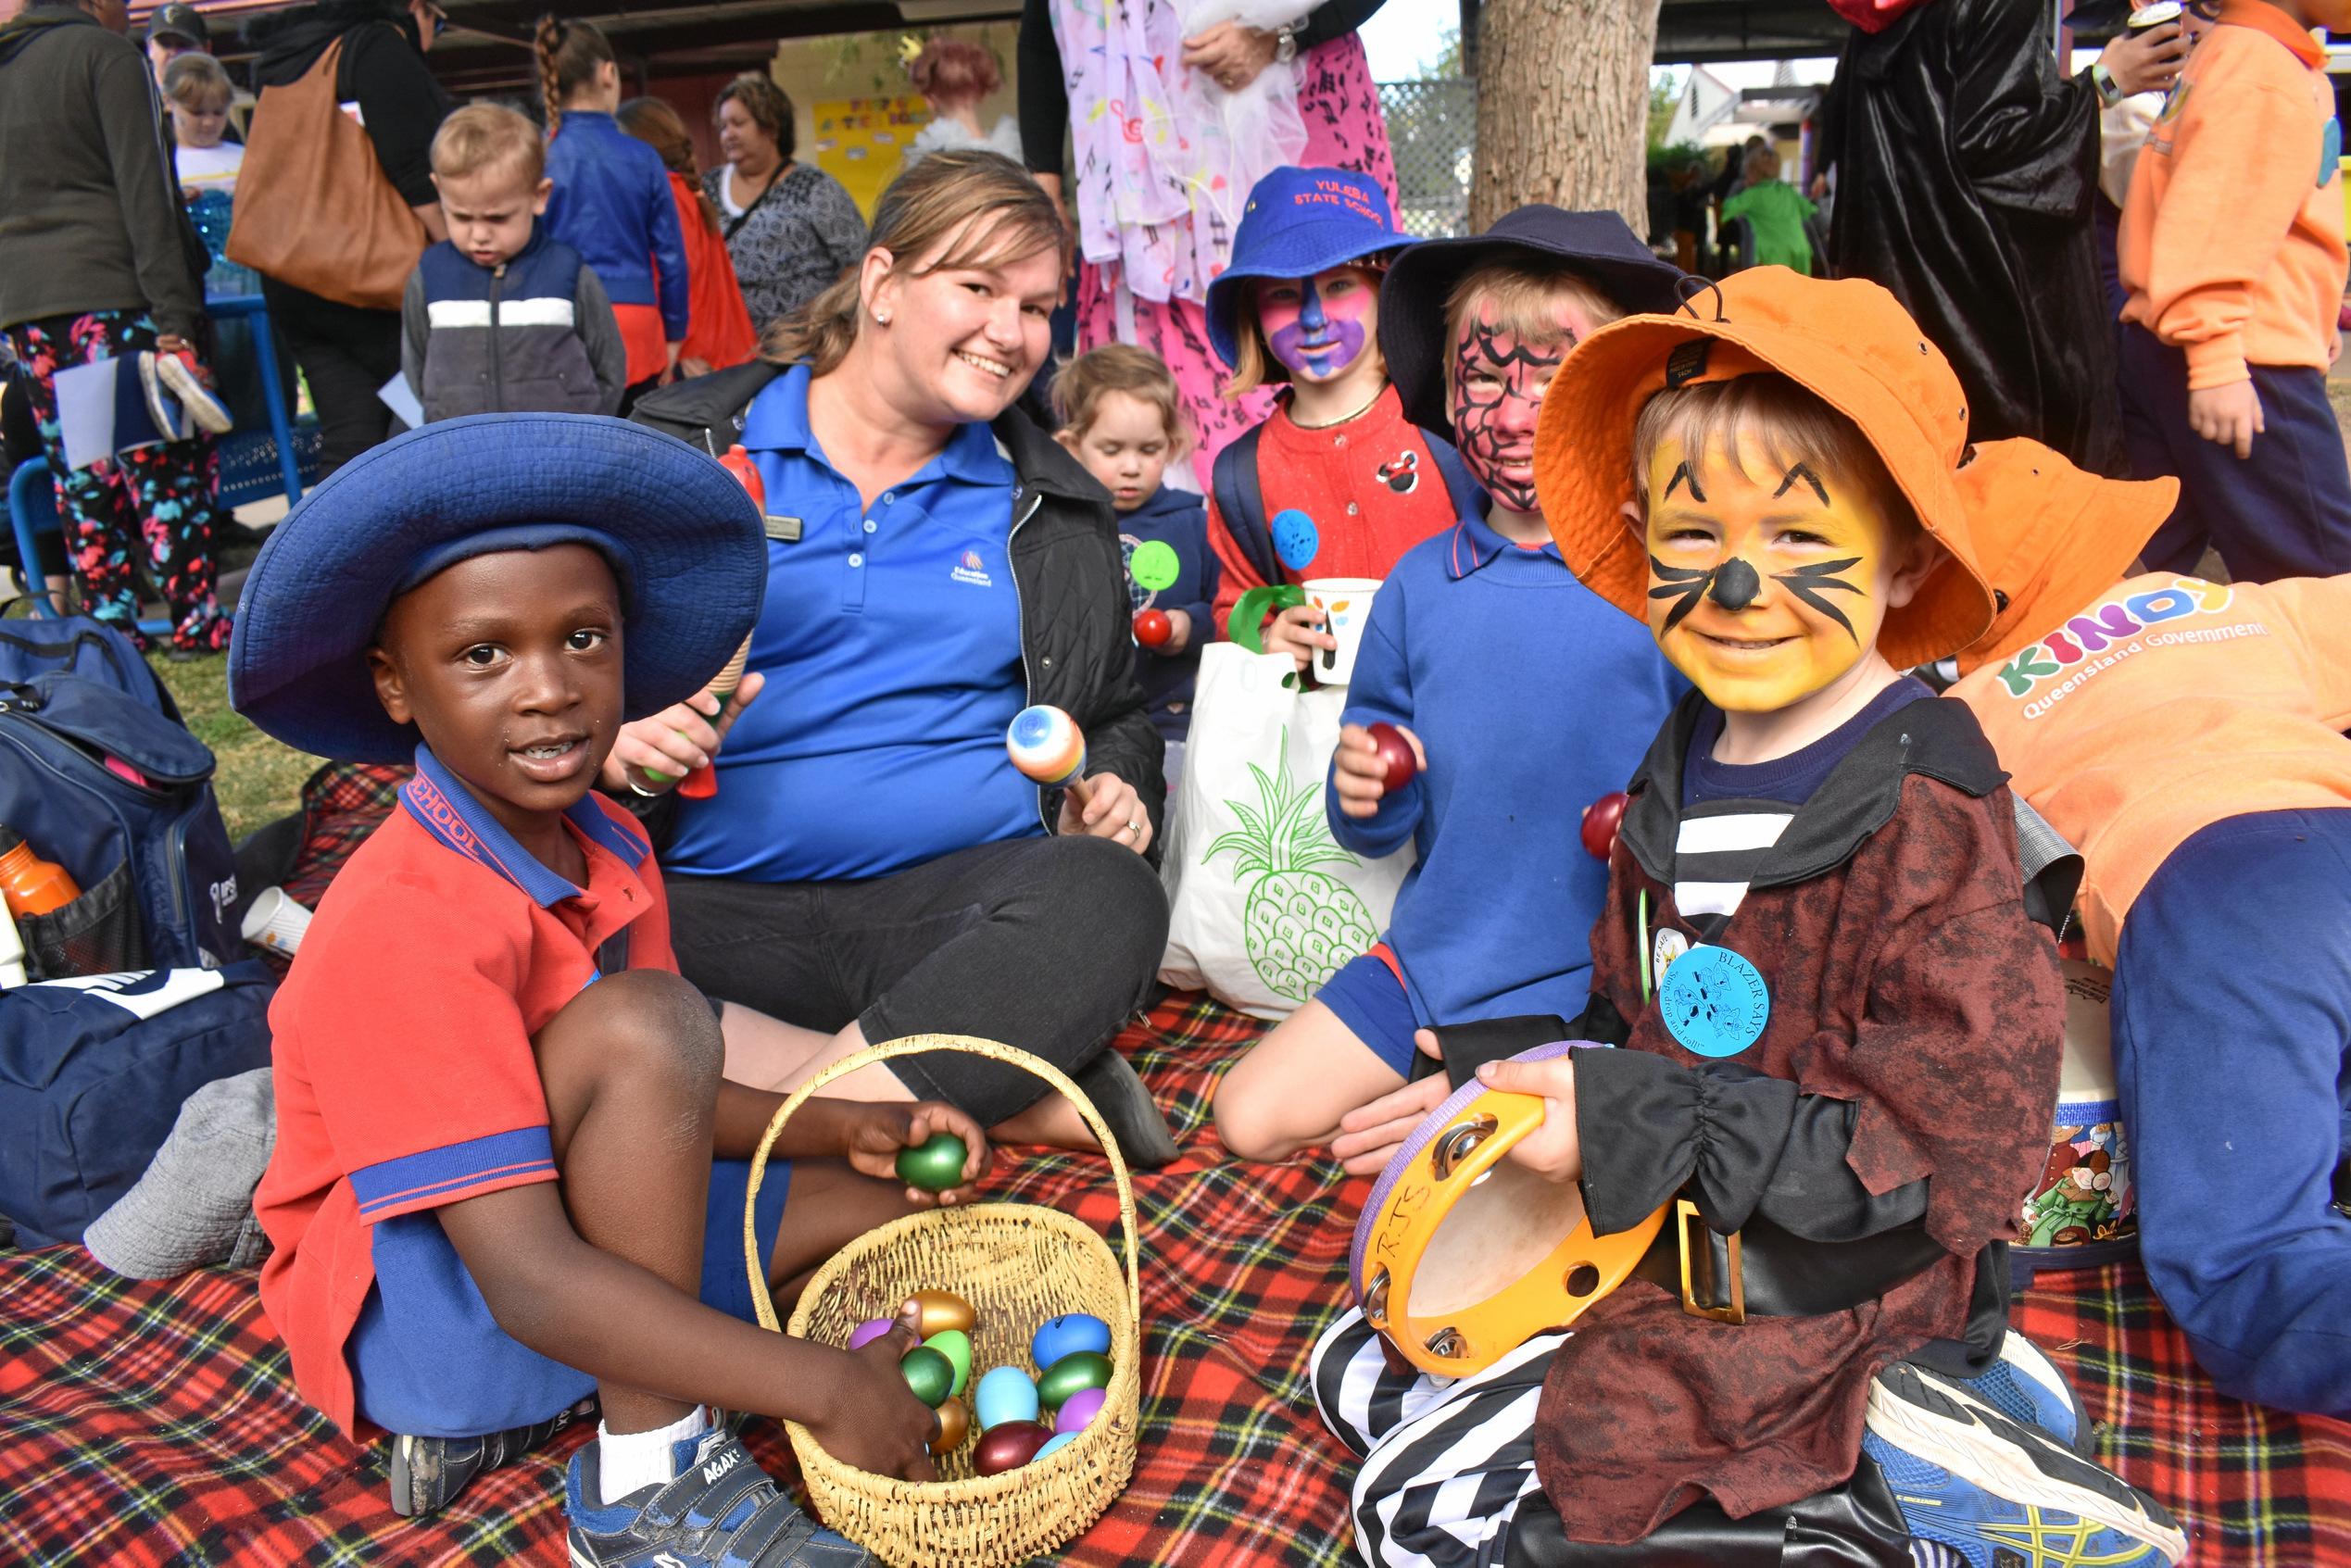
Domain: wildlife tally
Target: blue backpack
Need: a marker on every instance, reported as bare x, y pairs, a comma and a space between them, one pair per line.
105, 785
76, 645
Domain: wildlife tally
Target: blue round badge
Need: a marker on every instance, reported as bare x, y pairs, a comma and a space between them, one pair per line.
1715, 1001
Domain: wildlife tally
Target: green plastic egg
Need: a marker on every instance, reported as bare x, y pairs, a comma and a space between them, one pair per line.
956, 1346
936, 1165
929, 1374
1078, 1370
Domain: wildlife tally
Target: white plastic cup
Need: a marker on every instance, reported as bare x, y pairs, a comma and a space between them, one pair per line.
276, 922
1346, 605
2156, 12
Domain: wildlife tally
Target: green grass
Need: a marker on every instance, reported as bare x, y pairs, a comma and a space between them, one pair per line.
258, 779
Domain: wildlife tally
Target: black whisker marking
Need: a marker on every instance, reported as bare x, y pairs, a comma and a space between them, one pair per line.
1809, 592
1802, 472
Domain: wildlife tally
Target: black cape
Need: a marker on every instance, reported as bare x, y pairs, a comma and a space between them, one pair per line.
1965, 171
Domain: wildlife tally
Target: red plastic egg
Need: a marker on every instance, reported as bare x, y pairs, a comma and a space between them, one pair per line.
1152, 628
1602, 818
1395, 754
1008, 1446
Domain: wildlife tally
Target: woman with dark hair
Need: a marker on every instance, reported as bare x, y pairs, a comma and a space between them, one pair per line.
790, 227
718, 328
612, 200
954, 77
872, 867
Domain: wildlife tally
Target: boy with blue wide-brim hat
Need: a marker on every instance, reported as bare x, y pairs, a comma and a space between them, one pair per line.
493, 1191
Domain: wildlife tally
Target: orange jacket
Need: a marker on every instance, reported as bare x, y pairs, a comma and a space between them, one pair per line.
2231, 244
2167, 706
719, 328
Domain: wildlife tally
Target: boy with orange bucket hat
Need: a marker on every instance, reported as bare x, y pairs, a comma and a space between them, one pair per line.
2187, 737
1840, 1033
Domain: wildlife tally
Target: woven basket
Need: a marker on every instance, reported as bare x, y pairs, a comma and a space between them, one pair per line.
1017, 1264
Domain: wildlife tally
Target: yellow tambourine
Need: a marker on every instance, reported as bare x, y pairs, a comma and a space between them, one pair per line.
1462, 1256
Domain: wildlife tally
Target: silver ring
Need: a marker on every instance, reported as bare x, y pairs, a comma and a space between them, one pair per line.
1135, 827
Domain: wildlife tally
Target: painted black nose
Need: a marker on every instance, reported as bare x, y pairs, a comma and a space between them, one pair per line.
1735, 585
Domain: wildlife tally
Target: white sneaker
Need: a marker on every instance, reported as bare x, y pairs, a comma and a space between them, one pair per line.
172, 377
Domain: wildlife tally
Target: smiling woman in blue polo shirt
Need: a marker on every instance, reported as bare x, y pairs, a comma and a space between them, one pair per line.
872, 866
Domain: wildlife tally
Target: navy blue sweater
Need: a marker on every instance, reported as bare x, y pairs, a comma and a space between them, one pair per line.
1533, 697
1178, 519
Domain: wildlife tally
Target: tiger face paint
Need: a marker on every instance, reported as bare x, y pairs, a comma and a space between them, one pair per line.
1766, 583
1499, 378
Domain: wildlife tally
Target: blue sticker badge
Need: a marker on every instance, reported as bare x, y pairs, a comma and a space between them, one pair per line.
1295, 538
2330, 152
1715, 1001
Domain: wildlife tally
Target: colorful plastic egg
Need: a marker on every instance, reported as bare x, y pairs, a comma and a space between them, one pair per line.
1054, 1444
1073, 1374
1077, 1410
930, 1375
1047, 745
954, 1425
1067, 1335
956, 1346
1008, 1447
934, 1165
1152, 629
1601, 821
1005, 1394
1396, 757
935, 1311
864, 1334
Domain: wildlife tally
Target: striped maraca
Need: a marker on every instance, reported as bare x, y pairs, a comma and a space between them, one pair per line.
1046, 744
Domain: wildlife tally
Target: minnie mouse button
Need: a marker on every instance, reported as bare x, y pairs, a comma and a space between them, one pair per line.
1715, 1001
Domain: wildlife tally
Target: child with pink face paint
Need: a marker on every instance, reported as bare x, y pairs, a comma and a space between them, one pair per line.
1343, 485
1522, 696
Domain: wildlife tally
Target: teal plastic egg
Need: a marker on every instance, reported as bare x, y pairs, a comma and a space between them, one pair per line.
935, 1165
1005, 1394
1067, 1335
956, 1346
1054, 1444
929, 1374
1073, 1374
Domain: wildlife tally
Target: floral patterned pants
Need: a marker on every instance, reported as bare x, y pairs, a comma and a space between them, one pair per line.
145, 512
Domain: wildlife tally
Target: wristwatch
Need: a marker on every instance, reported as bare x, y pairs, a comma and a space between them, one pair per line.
1286, 43
2110, 92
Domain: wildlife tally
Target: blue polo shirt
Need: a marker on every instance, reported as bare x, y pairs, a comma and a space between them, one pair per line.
891, 644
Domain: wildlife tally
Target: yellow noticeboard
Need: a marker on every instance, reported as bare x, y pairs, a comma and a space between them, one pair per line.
861, 142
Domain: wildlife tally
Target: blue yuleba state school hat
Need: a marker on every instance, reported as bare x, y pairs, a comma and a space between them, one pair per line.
684, 539
1299, 222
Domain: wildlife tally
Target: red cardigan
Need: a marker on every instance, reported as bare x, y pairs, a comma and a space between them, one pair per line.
719, 328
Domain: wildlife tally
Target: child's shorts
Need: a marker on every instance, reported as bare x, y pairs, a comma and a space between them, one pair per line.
1368, 995
433, 1362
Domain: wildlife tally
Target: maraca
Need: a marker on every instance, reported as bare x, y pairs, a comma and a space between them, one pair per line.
1045, 744
1602, 818
702, 783
1395, 754
1152, 629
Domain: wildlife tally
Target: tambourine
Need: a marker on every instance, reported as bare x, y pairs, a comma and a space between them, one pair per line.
1462, 1256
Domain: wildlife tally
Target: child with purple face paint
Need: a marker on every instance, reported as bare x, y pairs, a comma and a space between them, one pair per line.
1336, 482
1522, 696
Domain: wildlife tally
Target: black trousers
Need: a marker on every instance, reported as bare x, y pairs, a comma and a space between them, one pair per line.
1044, 944
346, 354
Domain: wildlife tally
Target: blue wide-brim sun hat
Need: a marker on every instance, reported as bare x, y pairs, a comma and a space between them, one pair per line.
684, 539
1299, 222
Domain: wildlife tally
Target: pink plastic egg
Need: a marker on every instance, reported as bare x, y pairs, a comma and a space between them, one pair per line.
1077, 1410
864, 1334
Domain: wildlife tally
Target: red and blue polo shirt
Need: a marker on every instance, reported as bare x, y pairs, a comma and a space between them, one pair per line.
404, 1079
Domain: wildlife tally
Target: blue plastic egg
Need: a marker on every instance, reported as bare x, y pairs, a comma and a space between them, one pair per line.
1060, 1440
1070, 1332
1004, 1394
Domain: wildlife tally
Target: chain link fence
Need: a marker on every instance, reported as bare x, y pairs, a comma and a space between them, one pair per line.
1432, 125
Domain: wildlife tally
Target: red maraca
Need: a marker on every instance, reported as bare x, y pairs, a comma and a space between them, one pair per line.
1395, 754
1602, 818
1152, 629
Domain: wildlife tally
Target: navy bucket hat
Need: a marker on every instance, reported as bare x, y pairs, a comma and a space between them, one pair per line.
685, 540
1412, 297
1299, 222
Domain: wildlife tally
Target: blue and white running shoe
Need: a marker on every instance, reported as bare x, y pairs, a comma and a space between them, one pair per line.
1979, 1489
722, 1509
2024, 1385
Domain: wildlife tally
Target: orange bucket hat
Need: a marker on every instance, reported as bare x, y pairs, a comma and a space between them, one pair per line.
2050, 537
1849, 343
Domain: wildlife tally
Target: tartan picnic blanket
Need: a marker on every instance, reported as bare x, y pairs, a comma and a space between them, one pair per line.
157, 1423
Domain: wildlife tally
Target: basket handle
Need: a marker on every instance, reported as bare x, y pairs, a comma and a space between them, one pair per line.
913, 1045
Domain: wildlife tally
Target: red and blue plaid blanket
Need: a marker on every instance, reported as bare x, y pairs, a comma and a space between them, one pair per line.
145, 1425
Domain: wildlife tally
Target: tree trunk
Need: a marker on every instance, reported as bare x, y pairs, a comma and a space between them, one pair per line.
1563, 106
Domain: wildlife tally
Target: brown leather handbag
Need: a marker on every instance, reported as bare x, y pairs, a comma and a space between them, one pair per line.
314, 208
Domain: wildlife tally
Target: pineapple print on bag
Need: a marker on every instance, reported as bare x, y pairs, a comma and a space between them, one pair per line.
1300, 924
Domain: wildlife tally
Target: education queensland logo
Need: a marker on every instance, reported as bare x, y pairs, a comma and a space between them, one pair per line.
974, 570
2109, 633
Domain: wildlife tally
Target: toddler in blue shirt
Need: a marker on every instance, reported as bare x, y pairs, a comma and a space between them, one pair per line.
1120, 419
1523, 696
